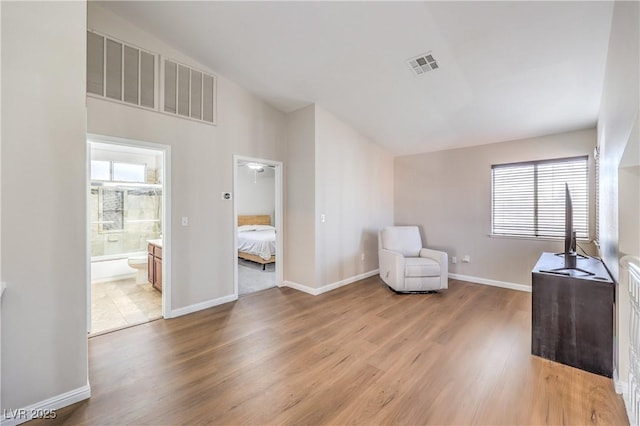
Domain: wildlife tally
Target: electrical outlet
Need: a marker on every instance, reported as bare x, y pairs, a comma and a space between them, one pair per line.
323, 218
466, 259
184, 221
454, 259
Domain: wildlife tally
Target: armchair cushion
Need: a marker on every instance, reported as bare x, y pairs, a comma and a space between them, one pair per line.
421, 267
402, 239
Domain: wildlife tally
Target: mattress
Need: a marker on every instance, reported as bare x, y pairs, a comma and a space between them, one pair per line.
259, 242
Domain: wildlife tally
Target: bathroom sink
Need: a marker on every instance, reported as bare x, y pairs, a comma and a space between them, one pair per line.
157, 242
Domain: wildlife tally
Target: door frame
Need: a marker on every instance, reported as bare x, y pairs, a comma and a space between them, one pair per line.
166, 215
278, 217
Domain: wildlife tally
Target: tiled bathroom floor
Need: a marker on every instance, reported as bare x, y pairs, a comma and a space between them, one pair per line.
120, 303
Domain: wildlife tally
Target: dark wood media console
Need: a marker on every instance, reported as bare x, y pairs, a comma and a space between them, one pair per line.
572, 315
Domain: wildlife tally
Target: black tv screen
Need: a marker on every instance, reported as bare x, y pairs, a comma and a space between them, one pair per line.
569, 244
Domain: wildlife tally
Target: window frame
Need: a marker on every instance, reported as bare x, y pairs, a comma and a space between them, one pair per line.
111, 172
535, 163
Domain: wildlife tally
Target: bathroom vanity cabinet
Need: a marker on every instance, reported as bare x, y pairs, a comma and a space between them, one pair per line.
154, 263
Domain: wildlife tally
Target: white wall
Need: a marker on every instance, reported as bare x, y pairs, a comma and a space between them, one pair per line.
256, 192
335, 172
2, 285
618, 114
629, 210
44, 309
618, 129
299, 197
448, 193
202, 164
354, 192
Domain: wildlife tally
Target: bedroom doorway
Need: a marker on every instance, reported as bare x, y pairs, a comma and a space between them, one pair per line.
257, 220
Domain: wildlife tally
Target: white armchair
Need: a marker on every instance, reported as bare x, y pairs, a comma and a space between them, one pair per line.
406, 266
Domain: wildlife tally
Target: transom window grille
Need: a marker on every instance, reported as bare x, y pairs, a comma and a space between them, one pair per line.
528, 199
125, 73
121, 72
189, 92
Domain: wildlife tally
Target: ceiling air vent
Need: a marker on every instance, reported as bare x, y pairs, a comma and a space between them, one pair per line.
423, 63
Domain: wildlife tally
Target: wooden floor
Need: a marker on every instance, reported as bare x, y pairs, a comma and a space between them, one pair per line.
358, 354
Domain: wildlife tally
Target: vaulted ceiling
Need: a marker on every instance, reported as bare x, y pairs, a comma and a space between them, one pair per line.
507, 70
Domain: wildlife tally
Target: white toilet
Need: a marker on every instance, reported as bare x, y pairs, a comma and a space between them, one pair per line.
139, 263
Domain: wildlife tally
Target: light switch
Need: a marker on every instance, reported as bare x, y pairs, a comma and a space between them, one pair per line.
184, 221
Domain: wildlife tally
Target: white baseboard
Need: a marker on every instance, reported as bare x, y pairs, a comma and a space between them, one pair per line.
301, 287
622, 388
494, 283
325, 288
202, 305
13, 417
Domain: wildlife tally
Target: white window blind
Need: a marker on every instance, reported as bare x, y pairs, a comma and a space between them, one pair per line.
528, 199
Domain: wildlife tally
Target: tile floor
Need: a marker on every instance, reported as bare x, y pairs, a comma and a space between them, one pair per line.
117, 304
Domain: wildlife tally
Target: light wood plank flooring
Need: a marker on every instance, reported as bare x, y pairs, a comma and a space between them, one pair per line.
359, 354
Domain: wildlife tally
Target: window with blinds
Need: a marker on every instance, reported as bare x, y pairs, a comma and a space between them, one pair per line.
188, 92
119, 71
528, 198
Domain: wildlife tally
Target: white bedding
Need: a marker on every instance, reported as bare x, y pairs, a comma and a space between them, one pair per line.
260, 242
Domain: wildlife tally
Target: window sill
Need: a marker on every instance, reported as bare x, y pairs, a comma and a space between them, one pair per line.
527, 238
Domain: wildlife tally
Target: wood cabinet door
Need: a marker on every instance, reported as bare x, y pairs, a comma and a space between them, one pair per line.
158, 273
150, 265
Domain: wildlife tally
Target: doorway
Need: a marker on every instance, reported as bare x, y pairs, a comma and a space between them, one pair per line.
128, 247
257, 217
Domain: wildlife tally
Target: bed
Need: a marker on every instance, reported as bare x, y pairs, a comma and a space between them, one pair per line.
256, 239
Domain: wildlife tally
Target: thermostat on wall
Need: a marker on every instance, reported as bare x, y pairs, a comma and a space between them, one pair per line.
226, 196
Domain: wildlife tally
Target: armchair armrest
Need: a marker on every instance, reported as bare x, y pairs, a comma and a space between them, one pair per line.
391, 267
443, 259
439, 256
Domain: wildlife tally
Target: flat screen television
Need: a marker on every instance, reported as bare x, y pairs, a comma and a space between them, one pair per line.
570, 255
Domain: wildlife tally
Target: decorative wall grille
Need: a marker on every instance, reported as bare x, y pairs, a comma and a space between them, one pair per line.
125, 73
188, 92
120, 72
